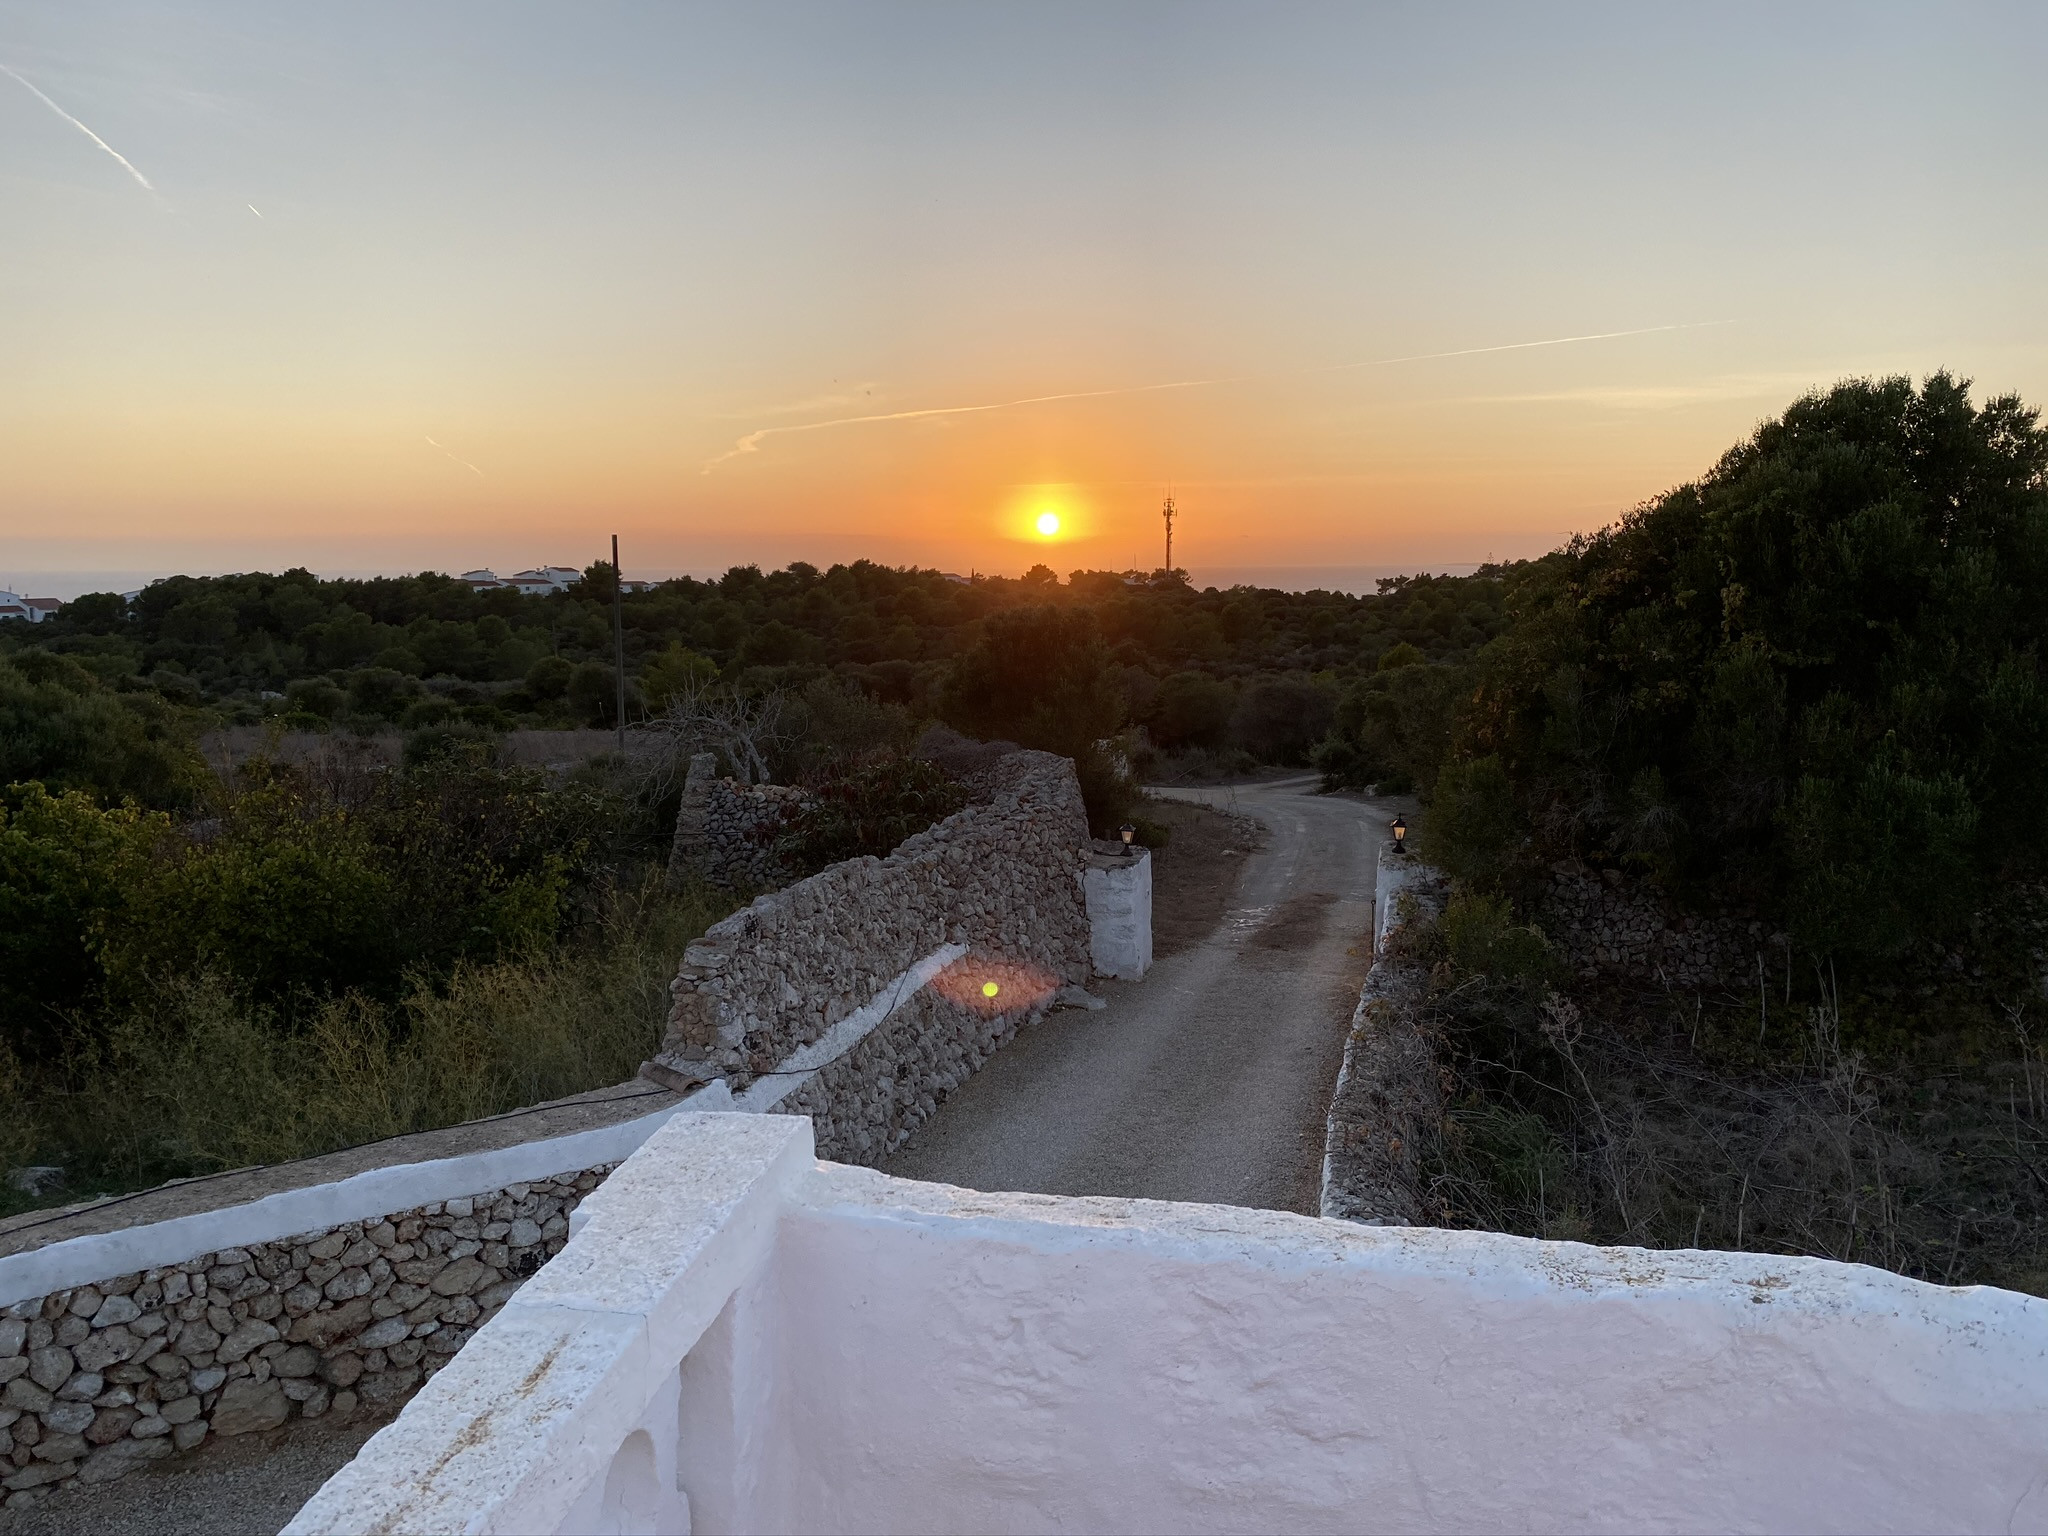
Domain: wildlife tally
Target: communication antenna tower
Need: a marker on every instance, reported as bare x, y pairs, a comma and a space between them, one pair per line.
1167, 513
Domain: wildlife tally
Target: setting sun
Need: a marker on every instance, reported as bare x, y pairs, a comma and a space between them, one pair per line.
1048, 523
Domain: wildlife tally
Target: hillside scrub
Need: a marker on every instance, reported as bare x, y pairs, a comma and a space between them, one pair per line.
1612, 1113
296, 890
1809, 682
1806, 691
408, 653
201, 1076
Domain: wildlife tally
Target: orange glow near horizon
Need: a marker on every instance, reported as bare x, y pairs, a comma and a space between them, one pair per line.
717, 284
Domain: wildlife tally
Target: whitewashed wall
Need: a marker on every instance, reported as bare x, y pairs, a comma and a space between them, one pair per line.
1118, 888
744, 1339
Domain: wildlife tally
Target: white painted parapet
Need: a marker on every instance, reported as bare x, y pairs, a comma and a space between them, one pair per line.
317, 1208
1118, 888
742, 1339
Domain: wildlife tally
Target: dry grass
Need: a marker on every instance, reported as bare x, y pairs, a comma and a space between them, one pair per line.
204, 1080
1653, 1120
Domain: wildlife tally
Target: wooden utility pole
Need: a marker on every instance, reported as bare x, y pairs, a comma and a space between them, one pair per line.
1168, 514
619, 638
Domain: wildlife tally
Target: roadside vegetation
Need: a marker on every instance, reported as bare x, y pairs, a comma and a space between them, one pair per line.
375, 921
1805, 691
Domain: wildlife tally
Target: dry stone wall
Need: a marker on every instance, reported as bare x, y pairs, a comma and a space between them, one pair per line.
1001, 878
865, 1105
1389, 1098
1606, 923
100, 1379
97, 1380
741, 825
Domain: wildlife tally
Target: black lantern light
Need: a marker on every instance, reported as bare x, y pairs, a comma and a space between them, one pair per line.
1400, 835
1127, 832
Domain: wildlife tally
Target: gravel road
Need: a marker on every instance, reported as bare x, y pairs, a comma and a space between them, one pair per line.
1209, 1080
245, 1487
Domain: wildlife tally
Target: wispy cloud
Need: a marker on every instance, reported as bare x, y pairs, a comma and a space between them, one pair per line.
751, 443
126, 164
797, 407
1660, 397
1524, 346
432, 444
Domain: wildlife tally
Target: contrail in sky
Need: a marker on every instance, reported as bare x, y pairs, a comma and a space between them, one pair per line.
462, 461
254, 209
751, 443
74, 122
1522, 346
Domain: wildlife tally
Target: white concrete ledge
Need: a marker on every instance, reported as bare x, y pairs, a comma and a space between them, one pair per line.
320, 1207
743, 1339
518, 1433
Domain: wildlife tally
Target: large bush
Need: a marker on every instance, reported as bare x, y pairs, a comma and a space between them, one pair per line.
298, 890
61, 726
1812, 680
1042, 677
1191, 709
868, 810
1279, 719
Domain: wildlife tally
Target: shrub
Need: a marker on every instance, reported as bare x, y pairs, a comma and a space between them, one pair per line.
668, 673
1474, 828
549, 677
1280, 719
1042, 677
870, 810
1482, 939
1392, 730
62, 727
201, 1077
1191, 709
70, 873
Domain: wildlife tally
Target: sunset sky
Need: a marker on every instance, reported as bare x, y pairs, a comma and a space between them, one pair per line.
385, 287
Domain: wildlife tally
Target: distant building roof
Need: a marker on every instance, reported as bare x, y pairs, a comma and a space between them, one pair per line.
544, 578
34, 609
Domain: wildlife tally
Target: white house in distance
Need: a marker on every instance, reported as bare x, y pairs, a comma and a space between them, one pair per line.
538, 582
34, 609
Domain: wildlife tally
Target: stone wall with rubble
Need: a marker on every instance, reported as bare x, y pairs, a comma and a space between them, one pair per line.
865, 1105
1606, 923
99, 1379
741, 824
1388, 1102
1001, 878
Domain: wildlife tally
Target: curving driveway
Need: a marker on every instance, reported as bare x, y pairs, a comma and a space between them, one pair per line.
1210, 1079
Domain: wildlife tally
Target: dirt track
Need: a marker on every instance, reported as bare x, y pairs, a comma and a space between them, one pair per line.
1210, 1079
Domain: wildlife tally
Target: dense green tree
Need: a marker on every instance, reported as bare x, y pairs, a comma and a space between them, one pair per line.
1191, 709
1810, 680
60, 725
1280, 719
